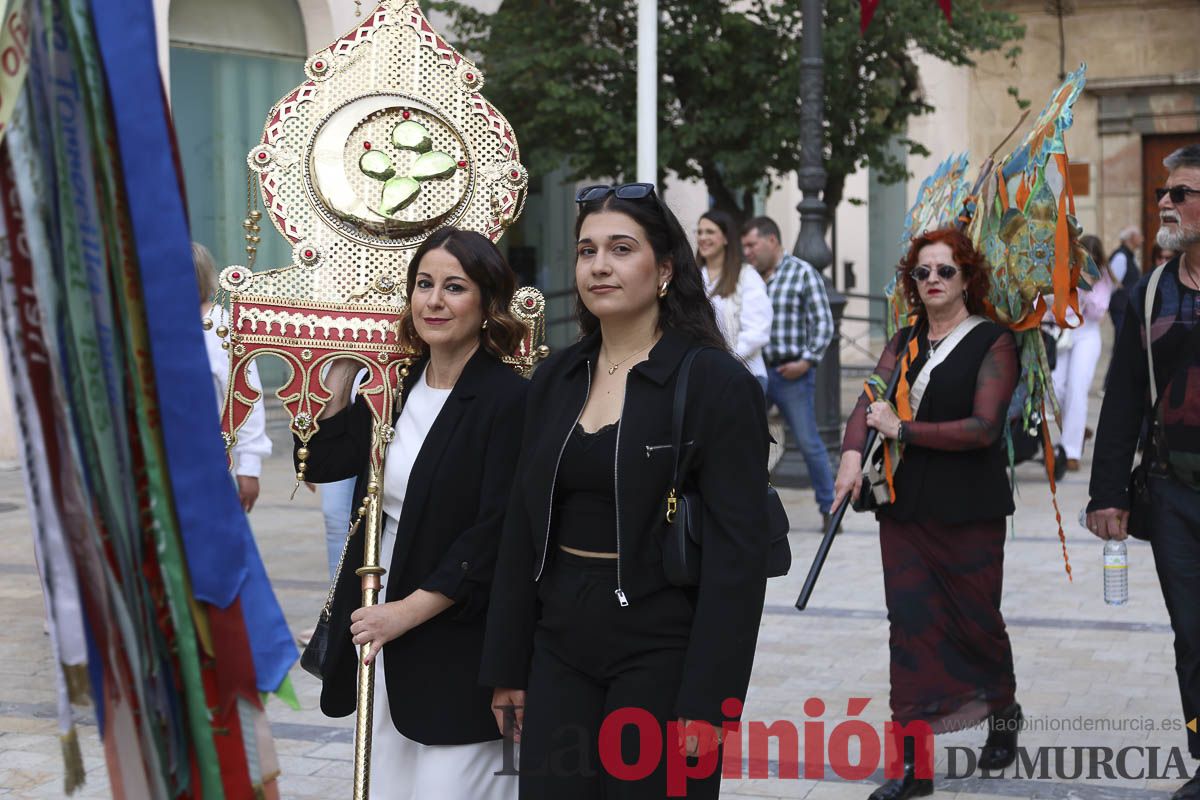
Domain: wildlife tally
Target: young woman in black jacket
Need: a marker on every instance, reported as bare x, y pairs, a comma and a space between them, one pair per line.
446, 481
583, 621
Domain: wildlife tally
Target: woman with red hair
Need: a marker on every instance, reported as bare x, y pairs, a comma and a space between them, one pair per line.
942, 533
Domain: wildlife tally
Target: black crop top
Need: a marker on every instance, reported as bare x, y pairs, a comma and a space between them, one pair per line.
584, 497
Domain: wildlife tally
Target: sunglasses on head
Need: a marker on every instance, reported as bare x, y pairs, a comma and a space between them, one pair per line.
1178, 194
624, 191
945, 272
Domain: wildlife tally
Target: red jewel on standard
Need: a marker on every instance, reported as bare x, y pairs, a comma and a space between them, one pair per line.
462, 164
406, 114
366, 145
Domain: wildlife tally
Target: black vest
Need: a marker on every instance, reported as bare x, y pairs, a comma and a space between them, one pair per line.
1120, 296
951, 486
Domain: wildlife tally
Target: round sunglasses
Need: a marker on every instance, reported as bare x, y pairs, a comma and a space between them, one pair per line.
944, 271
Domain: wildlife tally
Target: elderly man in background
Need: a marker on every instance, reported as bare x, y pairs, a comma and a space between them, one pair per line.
1124, 267
1172, 449
801, 330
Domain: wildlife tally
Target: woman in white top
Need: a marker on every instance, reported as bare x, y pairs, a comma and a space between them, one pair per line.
447, 475
737, 291
1076, 365
253, 444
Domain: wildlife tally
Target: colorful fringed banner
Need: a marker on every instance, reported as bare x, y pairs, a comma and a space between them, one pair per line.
158, 606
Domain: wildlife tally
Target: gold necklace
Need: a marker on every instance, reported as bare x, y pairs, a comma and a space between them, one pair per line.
613, 368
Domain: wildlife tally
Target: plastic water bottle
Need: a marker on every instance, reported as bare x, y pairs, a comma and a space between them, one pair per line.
1116, 568
1116, 572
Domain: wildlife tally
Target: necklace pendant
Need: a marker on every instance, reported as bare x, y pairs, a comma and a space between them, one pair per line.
612, 369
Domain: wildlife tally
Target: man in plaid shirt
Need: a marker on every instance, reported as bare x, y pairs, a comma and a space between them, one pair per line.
801, 330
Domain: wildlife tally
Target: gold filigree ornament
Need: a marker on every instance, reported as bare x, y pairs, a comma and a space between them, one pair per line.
387, 140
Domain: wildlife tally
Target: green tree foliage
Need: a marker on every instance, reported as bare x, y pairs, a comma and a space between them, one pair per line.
564, 72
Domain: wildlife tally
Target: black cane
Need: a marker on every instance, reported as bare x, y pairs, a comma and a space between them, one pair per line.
835, 519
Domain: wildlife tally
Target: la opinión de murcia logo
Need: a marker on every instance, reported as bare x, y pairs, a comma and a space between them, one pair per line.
746, 746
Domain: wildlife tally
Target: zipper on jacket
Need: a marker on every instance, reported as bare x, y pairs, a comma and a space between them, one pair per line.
554, 480
617, 491
651, 449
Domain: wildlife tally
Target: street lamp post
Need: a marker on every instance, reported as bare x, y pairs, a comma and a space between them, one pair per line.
810, 244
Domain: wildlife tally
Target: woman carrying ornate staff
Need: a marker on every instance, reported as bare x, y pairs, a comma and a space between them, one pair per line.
583, 619
446, 480
942, 536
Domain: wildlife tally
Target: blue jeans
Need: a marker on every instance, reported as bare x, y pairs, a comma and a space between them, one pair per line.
336, 499
795, 399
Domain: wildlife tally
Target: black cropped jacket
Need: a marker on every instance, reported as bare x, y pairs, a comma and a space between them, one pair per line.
725, 428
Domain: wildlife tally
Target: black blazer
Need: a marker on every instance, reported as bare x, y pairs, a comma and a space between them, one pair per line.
446, 541
726, 429
954, 486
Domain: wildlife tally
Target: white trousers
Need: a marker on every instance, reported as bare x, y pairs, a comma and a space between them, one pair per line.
1072, 376
402, 769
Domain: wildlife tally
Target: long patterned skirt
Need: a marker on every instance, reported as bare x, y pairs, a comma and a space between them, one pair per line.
951, 660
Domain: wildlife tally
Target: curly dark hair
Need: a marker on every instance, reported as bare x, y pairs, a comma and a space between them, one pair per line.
686, 308
485, 265
974, 267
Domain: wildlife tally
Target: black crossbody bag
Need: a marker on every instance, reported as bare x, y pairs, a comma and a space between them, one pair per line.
1138, 524
683, 534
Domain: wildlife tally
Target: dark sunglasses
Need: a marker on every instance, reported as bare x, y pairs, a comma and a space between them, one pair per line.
624, 191
945, 272
1178, 194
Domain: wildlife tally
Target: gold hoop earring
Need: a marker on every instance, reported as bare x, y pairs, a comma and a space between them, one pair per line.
662, 290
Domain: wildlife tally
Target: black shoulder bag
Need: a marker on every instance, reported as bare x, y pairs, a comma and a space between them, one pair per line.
683, 535
1138, 524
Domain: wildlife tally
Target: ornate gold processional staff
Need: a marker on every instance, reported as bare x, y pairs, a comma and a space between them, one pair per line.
386, 141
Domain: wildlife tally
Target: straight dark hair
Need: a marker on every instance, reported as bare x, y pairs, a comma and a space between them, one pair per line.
731, 270
686, 308
485, 265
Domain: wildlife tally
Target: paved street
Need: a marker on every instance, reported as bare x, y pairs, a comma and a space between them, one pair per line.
1078, 661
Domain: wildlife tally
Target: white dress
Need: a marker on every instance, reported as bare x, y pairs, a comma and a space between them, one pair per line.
402, 769
745, 317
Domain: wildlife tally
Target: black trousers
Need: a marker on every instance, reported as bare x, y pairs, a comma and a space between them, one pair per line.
1175, 539
592, 658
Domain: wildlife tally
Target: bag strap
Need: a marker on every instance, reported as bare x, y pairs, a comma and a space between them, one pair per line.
952, 340
1151, 290
681, 385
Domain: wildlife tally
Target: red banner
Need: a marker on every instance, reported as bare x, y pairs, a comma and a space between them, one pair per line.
867, 11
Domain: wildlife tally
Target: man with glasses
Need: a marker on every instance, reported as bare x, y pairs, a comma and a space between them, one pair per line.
801, 330
1172, 449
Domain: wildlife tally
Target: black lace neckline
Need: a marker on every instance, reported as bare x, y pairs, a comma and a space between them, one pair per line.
604, 429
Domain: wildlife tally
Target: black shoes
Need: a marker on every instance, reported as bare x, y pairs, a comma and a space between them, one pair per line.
1190, 790
903, 788
1000, 749
909, 785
